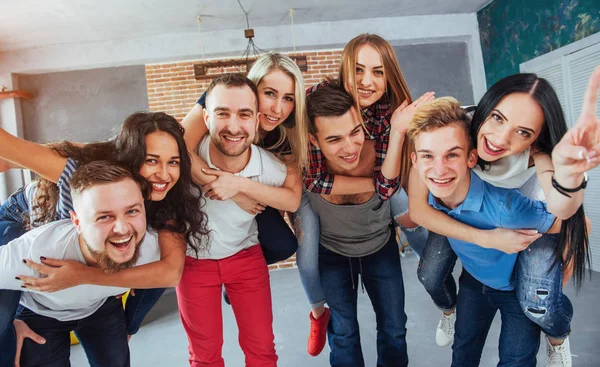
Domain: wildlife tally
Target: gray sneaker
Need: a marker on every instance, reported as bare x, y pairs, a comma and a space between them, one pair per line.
560, 355
444, 335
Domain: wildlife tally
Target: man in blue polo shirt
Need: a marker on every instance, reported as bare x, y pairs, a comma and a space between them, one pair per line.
443, 157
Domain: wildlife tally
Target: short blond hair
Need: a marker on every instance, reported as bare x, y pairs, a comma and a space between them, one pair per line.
440, 112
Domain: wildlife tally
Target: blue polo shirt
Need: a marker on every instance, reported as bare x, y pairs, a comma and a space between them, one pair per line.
489, 207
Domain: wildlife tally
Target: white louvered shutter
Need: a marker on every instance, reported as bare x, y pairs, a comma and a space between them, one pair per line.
579, 67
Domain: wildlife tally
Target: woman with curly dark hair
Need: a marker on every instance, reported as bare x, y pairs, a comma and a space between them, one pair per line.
152, 146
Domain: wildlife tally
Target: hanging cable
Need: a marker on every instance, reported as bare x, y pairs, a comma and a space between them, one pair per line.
245, 12
293, 34
200, 32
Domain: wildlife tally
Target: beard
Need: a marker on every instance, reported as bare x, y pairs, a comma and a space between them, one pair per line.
108, 265
221, 146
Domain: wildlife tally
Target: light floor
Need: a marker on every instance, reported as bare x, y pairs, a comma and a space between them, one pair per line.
162, 341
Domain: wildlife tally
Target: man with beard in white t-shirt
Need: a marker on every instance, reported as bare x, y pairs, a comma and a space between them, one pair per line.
107, 230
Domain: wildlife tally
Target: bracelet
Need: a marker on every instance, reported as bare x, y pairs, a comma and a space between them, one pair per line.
564, 190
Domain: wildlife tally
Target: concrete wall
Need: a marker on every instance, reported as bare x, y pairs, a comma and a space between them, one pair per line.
217, 44
406, 30
83, 105
440, 67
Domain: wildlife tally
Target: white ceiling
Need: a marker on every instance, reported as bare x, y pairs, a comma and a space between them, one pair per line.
34, 23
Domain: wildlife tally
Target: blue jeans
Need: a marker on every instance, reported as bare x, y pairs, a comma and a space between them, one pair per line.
307, 227
476, 307
138, 306
381, 275
276, 238
306, 223
417, 236
435, 271
538, 285
103, 336
12, 215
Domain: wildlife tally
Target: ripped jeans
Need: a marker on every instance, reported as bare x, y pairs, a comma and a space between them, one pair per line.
538, 285
306, 223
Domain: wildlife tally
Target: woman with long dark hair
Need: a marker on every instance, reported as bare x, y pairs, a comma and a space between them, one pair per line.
516, 127
152, 146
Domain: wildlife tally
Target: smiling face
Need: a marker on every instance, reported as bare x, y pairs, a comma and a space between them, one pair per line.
370, 76
111, 221
162, 165
231, 118
443, 159
276, 99
512, 127
341, 139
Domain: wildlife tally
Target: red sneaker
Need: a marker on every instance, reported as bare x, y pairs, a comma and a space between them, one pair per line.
318, 333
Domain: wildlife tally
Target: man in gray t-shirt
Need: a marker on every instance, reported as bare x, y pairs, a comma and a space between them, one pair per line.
107, 230
356, 234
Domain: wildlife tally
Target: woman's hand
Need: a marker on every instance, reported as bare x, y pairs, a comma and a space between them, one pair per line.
59, 275
23, 331
226, 186
404, 114
509, 241
579, 149
248, 205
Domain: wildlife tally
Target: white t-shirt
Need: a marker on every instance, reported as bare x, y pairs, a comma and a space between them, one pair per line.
513, 172
59, 240
231, 228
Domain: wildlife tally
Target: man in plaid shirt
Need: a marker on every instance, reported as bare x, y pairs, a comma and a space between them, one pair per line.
377, 125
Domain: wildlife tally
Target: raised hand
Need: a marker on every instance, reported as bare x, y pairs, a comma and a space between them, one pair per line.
403, 115
579, 150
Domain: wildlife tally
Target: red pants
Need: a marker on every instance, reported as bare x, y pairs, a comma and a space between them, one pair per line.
246, 279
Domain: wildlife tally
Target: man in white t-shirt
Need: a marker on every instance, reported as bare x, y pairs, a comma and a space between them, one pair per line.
107, 230
235, 258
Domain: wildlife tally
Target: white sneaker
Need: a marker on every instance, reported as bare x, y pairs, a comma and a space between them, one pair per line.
444, 335
560, 355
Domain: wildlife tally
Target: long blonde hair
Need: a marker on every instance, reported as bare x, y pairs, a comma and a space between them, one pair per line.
297, 134
396, 87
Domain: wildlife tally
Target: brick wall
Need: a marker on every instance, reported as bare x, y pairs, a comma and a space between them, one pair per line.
173, 89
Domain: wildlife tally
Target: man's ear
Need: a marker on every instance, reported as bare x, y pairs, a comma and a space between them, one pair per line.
75, 220
413, 158
205, 115
313, 140
472, 159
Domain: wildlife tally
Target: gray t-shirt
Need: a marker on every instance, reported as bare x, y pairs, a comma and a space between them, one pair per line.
59, 240
353, 230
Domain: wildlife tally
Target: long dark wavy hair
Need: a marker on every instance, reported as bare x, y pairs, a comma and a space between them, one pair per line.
181, 210
573, 233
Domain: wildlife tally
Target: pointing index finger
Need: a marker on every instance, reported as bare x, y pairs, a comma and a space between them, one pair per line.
591, 94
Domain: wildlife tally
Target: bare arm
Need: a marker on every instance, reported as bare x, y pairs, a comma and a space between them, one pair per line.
434, 220
559, 205
506, 240
6, 165
283, 198
39, 158
62, 274
195, 129
227, 186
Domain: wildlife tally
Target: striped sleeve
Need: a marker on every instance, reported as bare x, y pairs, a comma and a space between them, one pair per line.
65, 202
